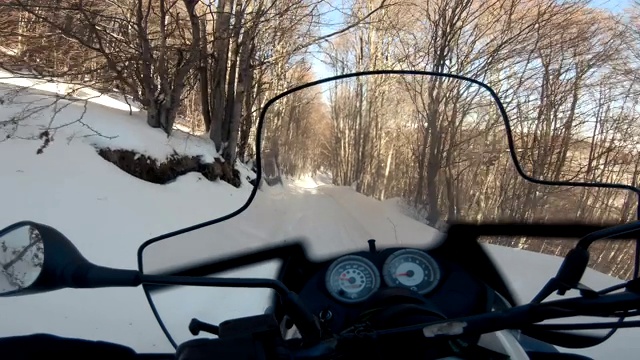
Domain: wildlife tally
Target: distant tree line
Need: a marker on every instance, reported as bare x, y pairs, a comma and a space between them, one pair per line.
565, 73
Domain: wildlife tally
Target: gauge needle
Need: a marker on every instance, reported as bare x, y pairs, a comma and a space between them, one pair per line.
408, 273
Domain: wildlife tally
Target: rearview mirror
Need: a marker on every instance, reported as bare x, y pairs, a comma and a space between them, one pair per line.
21, 257
40, 258
36, 258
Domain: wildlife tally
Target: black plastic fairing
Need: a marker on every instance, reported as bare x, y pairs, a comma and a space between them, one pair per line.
459, 247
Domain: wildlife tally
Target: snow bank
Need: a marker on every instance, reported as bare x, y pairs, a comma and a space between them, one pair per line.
75, 91
98, 126
104, 211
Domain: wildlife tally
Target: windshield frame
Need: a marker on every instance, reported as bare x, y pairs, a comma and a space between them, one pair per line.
259, 170
496, 98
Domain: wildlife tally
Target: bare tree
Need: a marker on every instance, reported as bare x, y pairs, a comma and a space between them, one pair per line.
142, 50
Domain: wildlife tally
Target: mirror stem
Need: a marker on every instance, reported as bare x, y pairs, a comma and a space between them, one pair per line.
94, 276
577, 260
568, 277
609, 232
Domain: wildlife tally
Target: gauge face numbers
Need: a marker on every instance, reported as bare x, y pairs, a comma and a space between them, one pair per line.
352, 279
412, 269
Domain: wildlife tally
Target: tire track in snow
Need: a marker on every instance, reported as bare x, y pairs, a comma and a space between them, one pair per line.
328, 227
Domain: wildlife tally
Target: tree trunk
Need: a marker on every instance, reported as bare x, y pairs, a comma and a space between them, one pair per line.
148, 85
203, 73
232, 73
219, 76
386, 174
244, 83
247, 120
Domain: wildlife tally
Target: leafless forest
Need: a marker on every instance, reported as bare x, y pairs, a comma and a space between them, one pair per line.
565, 71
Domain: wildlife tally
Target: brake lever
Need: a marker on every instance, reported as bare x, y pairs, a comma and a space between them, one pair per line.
196, 326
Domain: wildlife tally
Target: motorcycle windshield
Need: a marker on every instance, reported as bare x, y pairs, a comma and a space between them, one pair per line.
394, 157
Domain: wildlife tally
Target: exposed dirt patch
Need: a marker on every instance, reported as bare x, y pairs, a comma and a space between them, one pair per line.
148, 169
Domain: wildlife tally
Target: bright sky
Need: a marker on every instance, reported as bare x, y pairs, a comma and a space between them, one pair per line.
333, 17
615, 6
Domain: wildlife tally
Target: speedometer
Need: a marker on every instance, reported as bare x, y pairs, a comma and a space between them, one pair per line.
412, 269
352, 279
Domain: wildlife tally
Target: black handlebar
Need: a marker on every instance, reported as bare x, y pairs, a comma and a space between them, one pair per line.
263, 342
522, 316
259, 337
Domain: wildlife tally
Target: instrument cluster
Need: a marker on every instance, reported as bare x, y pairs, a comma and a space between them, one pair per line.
353, 278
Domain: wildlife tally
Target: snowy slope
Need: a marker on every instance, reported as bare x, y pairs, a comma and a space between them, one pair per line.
108, 214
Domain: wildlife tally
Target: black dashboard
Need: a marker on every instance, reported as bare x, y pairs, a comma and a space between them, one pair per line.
340, 289
466, 276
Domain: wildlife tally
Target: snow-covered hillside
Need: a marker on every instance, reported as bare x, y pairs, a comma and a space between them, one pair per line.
108, 214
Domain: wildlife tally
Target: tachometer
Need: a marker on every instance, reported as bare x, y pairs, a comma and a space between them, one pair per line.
411, 269
352, 279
